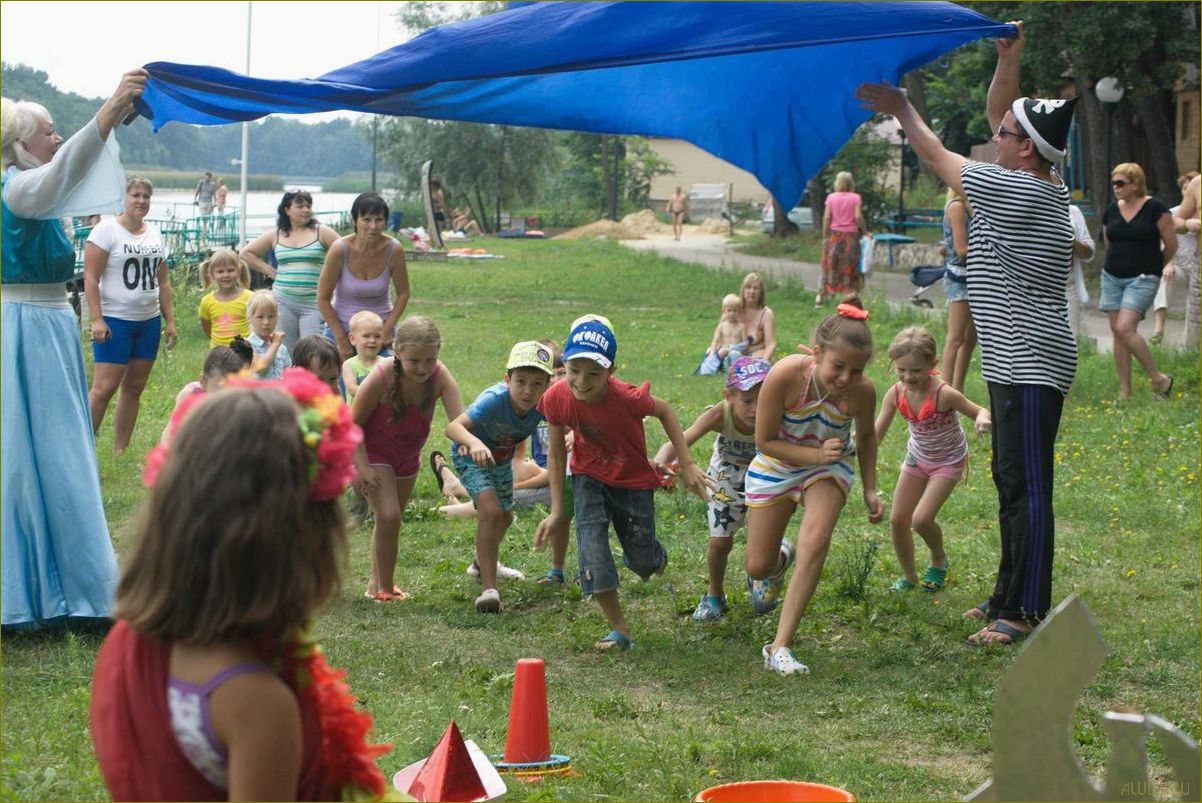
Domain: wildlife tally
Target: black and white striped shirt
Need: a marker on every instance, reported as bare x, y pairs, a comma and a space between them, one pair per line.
1020, 247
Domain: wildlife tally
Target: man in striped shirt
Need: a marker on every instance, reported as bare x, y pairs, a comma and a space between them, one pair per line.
1019, 254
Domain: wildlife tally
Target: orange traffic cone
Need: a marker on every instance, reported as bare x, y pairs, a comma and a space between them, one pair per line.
529, 736
528, 743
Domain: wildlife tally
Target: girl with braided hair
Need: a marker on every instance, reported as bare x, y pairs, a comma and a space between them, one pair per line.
394, 406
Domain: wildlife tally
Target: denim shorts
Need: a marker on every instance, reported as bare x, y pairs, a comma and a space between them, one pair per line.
477, 480
1135, 294
633, 515
953, 290
131, 340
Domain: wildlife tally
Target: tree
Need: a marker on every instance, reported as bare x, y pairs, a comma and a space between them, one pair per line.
489, 166
1078, 43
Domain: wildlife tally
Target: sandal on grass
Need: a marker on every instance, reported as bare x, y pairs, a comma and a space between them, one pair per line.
1164, 394
935, 578
902, 584
552, 577
436, 466
998, 632
387, 596
614, 641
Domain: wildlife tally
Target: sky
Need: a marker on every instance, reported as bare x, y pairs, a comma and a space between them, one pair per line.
85, 47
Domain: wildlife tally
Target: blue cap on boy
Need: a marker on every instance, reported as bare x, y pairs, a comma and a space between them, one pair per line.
591, 340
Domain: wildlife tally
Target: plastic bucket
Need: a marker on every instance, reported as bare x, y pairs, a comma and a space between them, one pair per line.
773, 792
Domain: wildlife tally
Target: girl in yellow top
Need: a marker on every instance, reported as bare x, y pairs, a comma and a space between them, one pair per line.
223, 310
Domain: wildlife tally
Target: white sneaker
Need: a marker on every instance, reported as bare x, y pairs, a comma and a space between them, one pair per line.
503, 572
780, 661
489, 601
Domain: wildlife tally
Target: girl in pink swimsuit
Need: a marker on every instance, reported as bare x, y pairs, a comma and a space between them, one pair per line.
936, 454
394, 406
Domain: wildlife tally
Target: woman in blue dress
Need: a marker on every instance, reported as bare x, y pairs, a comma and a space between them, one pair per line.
58, 562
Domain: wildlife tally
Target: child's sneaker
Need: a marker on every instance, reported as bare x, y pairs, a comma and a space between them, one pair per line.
503, 572
489, 601
782, 662
709, 608
765, 593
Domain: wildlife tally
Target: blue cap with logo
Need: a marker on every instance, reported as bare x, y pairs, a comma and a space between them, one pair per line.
591, 340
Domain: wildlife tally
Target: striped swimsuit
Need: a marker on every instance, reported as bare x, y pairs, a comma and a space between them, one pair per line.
809, 422
935, 437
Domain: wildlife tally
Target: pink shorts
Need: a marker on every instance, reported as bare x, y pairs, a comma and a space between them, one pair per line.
924, 470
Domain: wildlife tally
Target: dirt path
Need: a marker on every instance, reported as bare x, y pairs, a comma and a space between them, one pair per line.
713, 251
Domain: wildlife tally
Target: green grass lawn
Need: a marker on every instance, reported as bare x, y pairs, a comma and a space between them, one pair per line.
897, 707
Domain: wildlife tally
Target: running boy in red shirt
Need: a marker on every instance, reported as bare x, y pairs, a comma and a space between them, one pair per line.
612, 478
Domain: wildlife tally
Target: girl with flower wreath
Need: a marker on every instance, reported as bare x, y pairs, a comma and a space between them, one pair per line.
207, 687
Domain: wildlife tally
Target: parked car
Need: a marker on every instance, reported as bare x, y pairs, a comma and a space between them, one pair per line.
801, 216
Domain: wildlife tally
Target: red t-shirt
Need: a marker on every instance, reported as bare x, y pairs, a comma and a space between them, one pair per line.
609, 443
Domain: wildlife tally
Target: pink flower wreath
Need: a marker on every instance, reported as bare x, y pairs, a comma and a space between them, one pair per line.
325, 424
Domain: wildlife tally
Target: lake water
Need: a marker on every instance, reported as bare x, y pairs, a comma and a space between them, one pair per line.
177, 204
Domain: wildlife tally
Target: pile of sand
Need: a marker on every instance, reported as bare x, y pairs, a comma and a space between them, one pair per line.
713, 225
601, 229
644, 223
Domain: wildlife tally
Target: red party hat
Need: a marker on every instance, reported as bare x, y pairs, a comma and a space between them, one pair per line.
449, 774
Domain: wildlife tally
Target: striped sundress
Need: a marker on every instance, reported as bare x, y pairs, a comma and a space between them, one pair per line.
810, 421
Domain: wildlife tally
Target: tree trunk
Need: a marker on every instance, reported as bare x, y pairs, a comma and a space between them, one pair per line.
817, 200
1161, 170
781, 225
916, 90
1093, 120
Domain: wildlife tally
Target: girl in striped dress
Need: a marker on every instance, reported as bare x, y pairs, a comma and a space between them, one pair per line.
936, 455
805, 455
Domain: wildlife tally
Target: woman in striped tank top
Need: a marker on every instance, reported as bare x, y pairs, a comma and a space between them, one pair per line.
805, 455
936, 455
300, 245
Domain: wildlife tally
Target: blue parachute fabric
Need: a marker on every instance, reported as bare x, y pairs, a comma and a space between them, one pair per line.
766, 86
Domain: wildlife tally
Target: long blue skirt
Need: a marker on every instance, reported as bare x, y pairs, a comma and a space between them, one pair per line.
57, 559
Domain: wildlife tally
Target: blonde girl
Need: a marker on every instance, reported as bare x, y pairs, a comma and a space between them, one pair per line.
394, 406
936, 455
803, 437
222, 310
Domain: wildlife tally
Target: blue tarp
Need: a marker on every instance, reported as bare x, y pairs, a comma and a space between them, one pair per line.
765, 86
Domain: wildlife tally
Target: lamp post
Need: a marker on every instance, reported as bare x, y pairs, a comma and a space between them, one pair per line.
1109, 93
901, 181
244, 177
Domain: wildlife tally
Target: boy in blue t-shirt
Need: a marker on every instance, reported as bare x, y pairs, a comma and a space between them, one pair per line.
485, 437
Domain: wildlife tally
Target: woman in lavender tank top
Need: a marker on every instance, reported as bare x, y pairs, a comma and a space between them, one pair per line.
358, 271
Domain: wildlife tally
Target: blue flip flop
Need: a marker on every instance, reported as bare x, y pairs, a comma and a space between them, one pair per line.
614, 641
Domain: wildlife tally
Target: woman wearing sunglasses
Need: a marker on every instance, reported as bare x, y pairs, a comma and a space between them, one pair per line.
1140, 244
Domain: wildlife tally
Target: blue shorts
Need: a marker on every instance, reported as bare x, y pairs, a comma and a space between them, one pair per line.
131, 340
1135, 294
953, 290
498, 478
633, 515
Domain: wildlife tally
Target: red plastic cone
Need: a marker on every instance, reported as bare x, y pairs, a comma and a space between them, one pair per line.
529, 738
449, 773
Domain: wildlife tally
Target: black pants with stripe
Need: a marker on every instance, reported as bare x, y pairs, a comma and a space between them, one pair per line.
1025, 421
